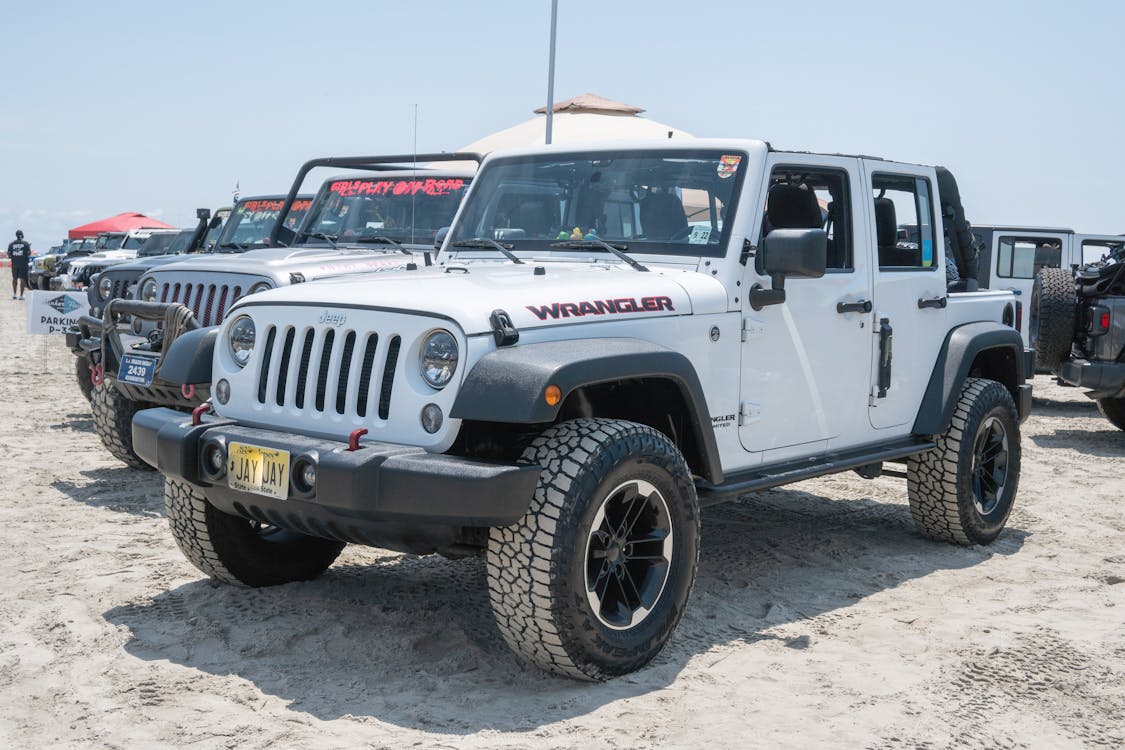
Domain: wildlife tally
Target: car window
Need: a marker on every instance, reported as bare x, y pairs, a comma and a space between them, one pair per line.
1022, 257
904, 222
1095, 250
803, 197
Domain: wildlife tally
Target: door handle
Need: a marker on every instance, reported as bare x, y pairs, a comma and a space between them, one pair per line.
936, 302
860, 306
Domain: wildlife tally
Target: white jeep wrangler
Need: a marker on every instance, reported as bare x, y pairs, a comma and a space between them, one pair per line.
614, 337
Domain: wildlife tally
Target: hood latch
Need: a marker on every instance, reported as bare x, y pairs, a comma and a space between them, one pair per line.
503, 330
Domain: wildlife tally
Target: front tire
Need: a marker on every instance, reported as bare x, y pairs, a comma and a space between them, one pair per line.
236, 550
1113, 409
962, 490
113, 421
593, 580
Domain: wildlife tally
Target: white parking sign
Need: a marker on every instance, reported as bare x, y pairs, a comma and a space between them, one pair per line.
54, 312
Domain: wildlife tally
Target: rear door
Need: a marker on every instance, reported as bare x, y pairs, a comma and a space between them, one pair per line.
910, 291
1018, 255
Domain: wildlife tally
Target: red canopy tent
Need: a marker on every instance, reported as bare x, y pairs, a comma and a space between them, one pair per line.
120, 223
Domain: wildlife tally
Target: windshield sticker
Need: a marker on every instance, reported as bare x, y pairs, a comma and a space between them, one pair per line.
699, 235
728, 165
558, 310
429, 186
254, 207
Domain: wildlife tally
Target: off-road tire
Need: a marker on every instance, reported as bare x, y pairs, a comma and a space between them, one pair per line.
940, 482
235, 550
1113, 409
113, 421
82, 374
1050, 327
538, 567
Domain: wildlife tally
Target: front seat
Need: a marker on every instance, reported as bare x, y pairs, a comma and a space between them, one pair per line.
662, 217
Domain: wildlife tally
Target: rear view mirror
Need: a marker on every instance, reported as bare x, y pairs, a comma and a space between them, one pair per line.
802, 253
439, 238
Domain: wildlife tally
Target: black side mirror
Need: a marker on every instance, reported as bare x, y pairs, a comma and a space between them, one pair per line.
789, 252
439, 238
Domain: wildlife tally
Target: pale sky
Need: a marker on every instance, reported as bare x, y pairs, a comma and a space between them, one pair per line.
160, 107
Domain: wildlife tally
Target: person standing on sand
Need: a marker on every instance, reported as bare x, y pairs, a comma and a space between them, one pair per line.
19, 252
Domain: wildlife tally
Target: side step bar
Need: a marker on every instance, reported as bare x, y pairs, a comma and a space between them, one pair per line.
768, 477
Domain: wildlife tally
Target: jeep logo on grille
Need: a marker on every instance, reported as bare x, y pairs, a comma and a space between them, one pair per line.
332, 319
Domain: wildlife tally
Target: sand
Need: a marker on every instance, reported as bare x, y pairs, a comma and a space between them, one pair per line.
819, 617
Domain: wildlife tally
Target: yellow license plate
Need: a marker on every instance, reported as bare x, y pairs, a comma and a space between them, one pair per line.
263, 471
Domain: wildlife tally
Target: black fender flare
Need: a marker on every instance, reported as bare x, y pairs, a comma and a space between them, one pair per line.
961, 347
188, 360
508, 384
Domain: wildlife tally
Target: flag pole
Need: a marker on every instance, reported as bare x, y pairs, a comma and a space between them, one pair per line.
551, 70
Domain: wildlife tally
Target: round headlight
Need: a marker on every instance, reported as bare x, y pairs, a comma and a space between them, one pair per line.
105, 287
148, 291
261, 286
241, 336
439, 358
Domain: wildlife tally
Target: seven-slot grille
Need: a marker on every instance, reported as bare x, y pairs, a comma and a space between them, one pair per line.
122, 280
209, 301
328, 370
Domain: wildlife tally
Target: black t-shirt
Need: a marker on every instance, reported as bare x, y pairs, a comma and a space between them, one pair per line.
19, 251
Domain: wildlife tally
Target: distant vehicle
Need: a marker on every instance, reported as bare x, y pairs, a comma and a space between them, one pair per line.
1011, 257
43, 265
110, 249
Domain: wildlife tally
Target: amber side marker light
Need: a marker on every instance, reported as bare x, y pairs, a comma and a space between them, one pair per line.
553, 395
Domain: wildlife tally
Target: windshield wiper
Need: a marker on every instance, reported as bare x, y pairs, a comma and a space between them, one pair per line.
381, 240
485, 242
596, 244
235, 245
329, 238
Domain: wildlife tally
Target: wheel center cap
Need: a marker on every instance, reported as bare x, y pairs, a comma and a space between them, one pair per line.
614, 553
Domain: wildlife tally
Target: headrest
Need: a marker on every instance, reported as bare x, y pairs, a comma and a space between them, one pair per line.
662, 215
792, 207
886, 225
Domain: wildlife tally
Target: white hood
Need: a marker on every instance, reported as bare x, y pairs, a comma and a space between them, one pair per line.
562, 294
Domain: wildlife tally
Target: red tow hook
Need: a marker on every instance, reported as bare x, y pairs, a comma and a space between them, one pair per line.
187, 390
96, 374
353, 439
198, 412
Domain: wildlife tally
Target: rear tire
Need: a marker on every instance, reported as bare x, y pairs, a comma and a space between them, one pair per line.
83, 374
1050, 327
113, 421
962, 490
1113, 409
236, 550
593, 580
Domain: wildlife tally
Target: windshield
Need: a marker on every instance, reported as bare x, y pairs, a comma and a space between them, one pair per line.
664, 202
250, 223
405, 209
214, 232
180, 242
157, 244
133, 243
109, 241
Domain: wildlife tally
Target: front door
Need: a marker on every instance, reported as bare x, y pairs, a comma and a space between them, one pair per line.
806, 361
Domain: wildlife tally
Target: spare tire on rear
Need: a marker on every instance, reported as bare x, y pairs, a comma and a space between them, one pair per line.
1050, 327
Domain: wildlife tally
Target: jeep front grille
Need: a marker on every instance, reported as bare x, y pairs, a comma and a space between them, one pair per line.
209, 302
326, 369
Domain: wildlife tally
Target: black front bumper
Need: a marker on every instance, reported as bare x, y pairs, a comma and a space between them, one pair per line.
355, 492
1104, 379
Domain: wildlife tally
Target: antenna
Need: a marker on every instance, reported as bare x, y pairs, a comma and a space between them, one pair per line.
414, 174
551, 72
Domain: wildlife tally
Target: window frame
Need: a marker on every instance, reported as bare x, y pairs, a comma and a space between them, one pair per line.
915, 179
1012, 257
847, 188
